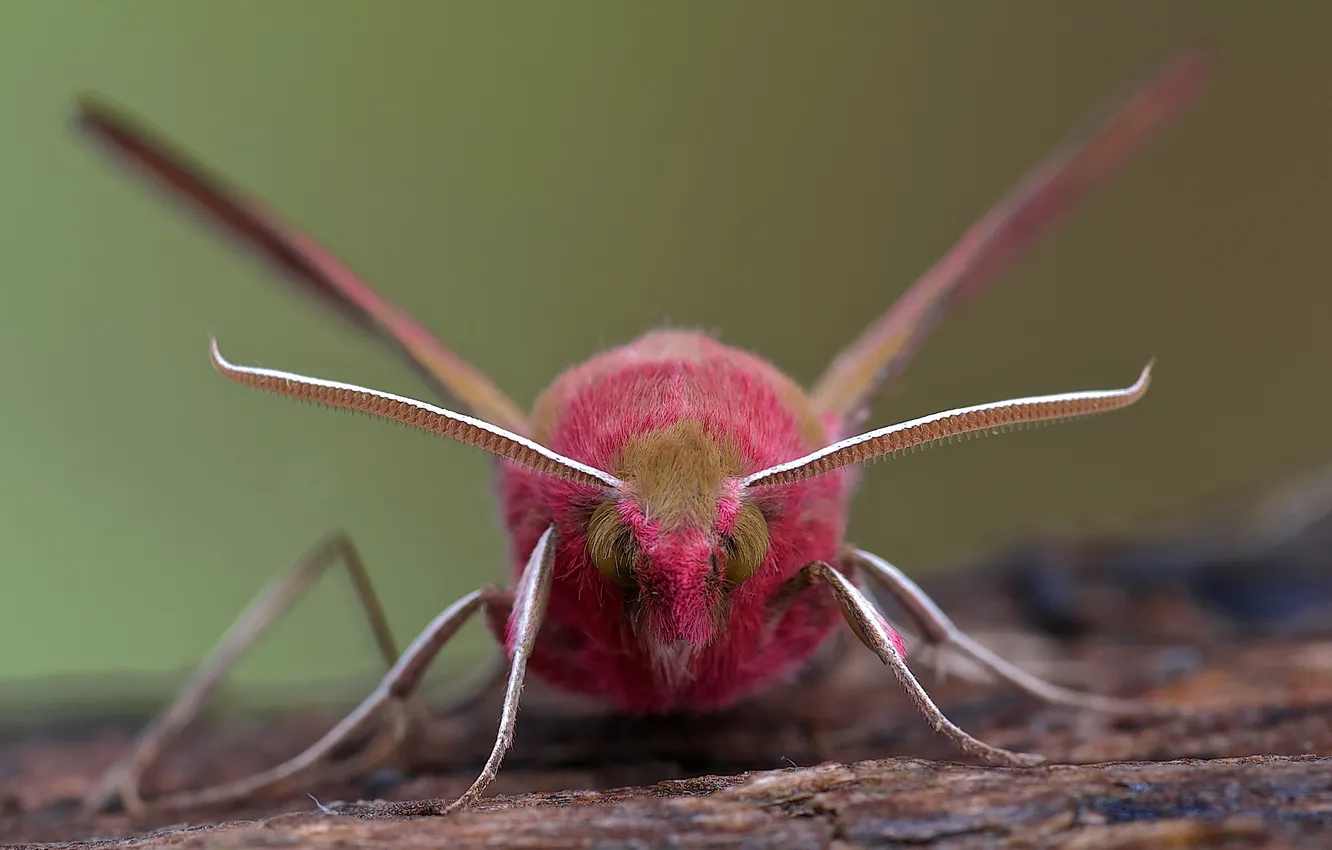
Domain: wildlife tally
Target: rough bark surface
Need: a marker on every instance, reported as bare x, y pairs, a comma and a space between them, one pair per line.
1233, 629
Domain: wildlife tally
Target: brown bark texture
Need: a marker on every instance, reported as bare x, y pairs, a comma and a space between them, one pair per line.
1229, 621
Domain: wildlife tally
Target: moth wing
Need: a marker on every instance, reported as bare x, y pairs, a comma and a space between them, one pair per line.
305, 263
851, 382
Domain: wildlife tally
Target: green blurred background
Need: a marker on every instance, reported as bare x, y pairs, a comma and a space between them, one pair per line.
537, 181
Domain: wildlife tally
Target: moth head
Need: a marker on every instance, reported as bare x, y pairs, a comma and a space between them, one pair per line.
679, 537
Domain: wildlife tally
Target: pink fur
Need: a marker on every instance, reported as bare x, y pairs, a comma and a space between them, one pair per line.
587, 645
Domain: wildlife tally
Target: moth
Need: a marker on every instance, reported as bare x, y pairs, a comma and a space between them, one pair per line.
676, 507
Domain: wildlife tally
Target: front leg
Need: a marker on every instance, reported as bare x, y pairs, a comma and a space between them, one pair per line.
873, 630
532, 596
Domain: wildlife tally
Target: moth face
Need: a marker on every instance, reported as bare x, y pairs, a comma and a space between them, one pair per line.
677, 540
677, 580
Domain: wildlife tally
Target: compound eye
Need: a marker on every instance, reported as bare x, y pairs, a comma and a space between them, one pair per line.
610, 543
747, 545
614, 565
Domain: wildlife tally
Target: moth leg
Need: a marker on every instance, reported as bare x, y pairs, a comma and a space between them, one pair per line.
870, 626
529, 611
123, 778
397, 685
940, 632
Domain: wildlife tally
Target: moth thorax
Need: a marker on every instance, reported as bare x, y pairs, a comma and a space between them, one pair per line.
677, 473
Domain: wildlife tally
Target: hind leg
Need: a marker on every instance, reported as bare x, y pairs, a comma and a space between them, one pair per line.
940, 632
123, 778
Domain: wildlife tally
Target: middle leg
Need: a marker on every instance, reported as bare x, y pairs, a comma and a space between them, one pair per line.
940, 632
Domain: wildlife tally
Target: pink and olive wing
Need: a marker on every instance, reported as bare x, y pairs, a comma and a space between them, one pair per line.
306, 263
883, 350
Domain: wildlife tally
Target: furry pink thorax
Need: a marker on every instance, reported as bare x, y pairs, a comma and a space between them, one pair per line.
696, 644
